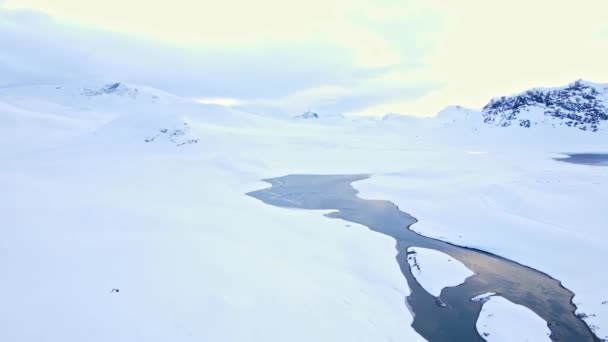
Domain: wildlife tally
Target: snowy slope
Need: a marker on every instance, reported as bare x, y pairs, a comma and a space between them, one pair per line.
39, 114
170, 228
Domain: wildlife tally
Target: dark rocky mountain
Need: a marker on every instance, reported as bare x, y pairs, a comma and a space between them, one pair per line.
582, 104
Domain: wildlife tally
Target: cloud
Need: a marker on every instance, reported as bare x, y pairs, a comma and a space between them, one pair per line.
238, 23
487, 48
358, 56
38, 48
342, 99
602, 33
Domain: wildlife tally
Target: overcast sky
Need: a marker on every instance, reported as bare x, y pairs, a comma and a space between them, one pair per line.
340, 56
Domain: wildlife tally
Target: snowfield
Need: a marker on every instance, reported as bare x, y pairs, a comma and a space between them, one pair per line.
435, 270
192, 257
503, 321
88, 206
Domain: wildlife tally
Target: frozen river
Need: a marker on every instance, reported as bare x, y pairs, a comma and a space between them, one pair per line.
453, 317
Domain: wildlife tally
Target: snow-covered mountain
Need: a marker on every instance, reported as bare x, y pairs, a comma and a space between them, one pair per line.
308, 115
579, 106
575, 114
582, 105
117, 111
49, 113
108, 113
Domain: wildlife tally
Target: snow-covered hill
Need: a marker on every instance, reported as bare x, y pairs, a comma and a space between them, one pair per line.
38, 115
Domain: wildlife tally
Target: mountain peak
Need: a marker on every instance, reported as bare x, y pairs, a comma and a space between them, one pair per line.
580, 104
308, 115
116, 88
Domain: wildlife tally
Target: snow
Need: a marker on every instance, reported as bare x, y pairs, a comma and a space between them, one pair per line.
88, 206
501, 320
435, 270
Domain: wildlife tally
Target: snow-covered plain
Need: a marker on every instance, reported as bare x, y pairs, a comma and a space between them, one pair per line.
89, 206
435, 270
503, 321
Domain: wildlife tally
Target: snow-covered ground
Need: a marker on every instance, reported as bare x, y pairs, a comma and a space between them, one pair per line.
435, 270
192, 257
503, 321
88, 206
171, 229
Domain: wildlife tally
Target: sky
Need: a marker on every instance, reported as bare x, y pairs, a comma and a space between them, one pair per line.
340, 57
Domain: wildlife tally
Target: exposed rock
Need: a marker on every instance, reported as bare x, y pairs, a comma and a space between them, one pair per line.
112, 89
308, 115
178, 136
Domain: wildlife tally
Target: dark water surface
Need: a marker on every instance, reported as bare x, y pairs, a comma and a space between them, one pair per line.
597, 159
456, 321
